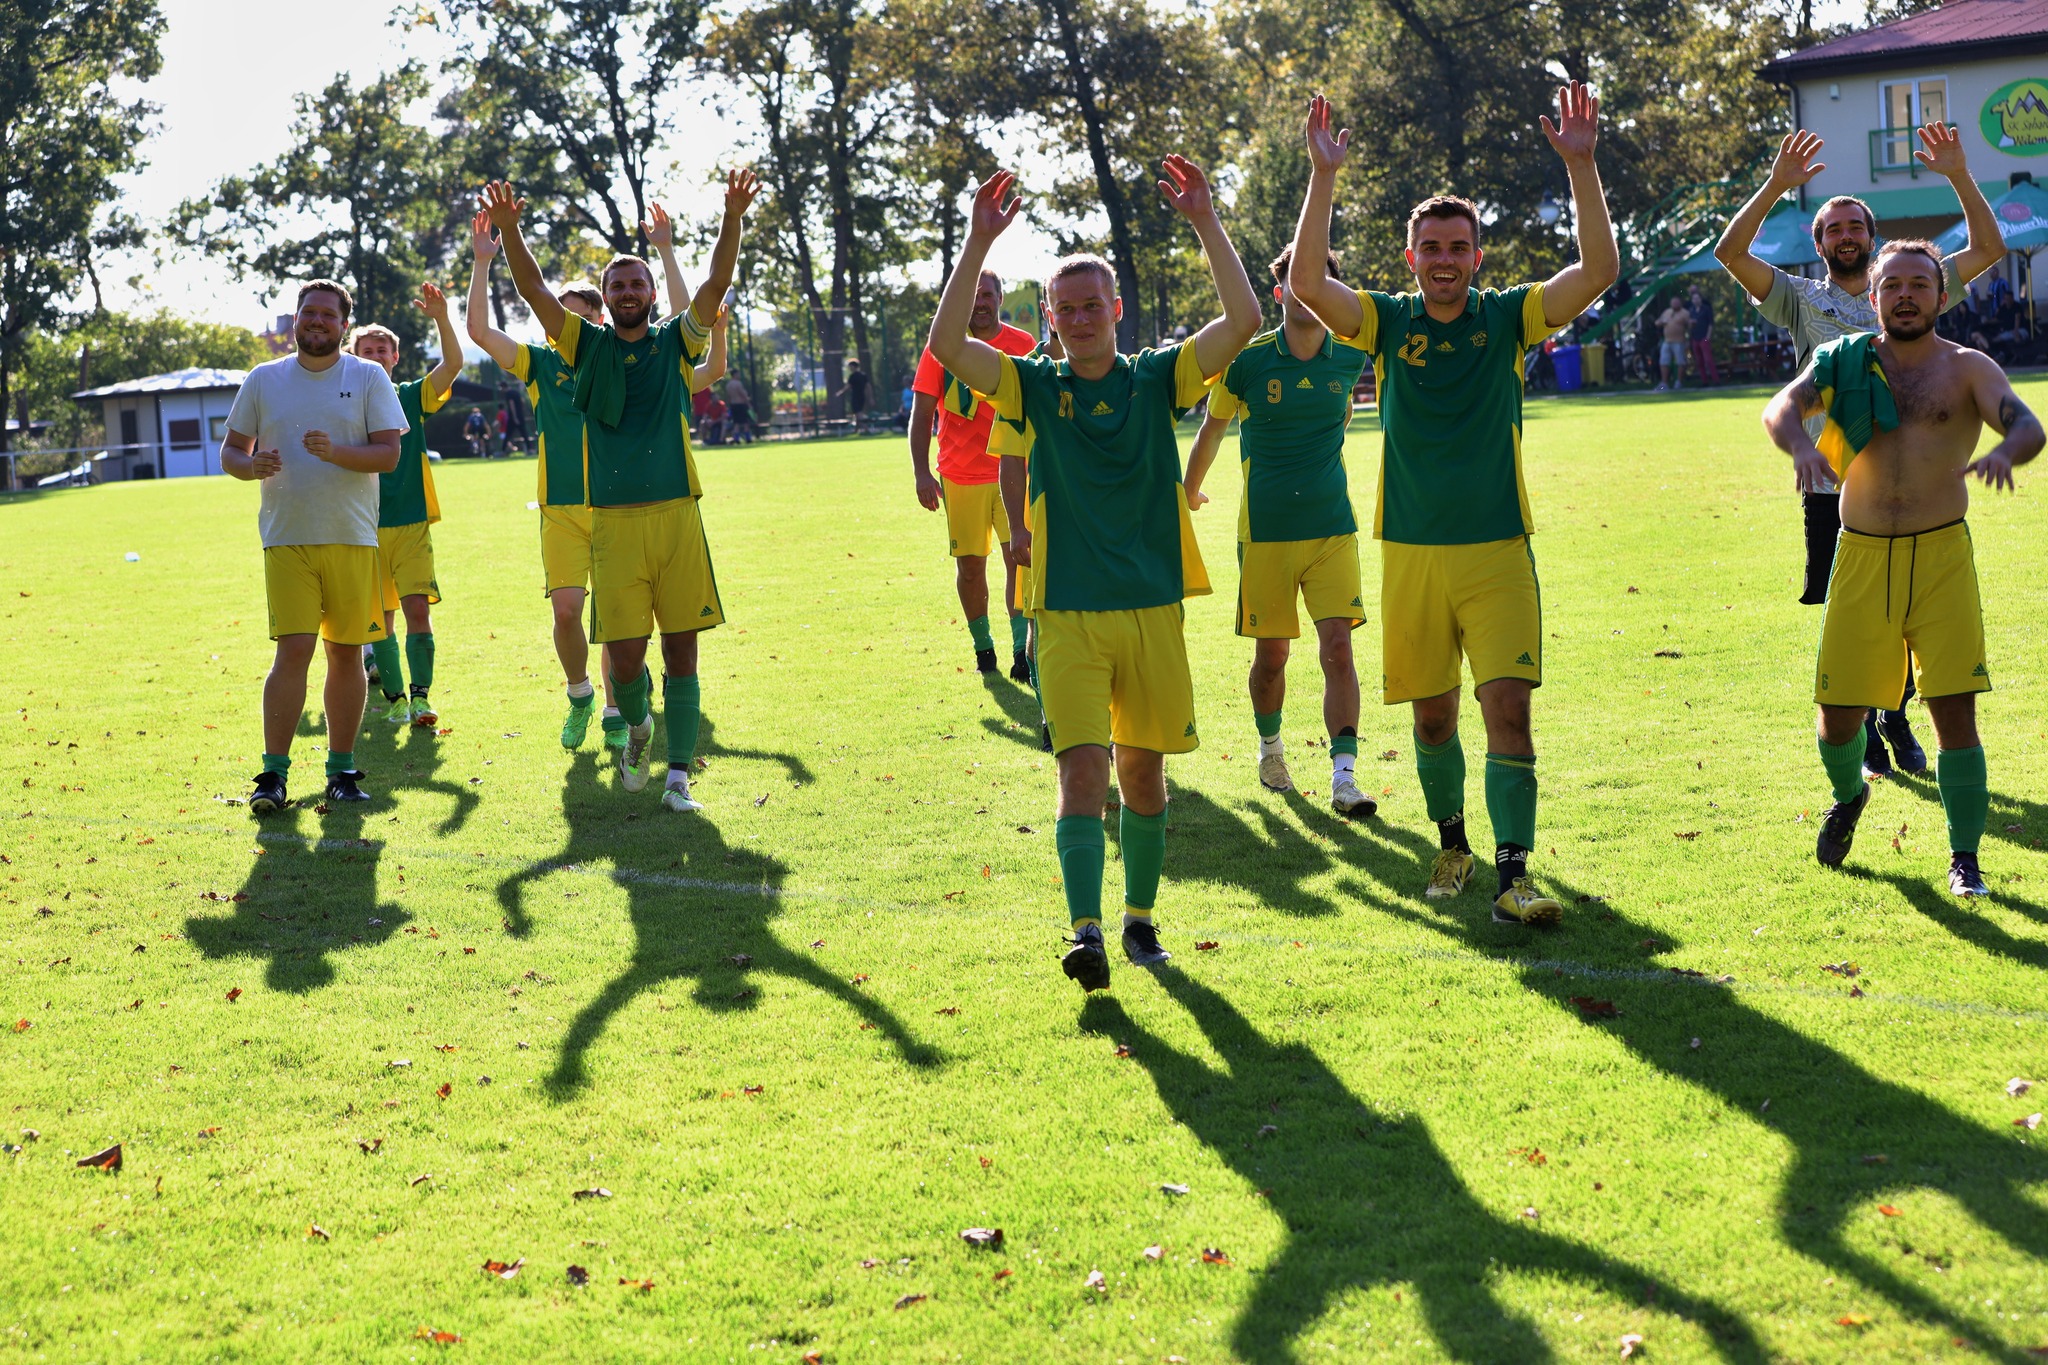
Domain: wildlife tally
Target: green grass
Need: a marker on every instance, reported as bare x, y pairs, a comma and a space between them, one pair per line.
1351, 1085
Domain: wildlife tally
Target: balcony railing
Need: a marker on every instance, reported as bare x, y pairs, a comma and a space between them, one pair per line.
1891, 153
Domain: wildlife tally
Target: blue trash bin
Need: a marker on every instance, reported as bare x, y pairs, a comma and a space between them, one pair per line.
1565, 361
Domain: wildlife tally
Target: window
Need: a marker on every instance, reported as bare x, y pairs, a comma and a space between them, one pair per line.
218, 426
130, 429
184, 433
1905, 105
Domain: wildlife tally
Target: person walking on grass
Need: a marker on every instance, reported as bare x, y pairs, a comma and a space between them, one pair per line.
1901, 413
650, 562
966, 482
1290, 391
1818, 311
1457, 574
407, 508
1108, 537
1675, 346
1701, 308
315, 430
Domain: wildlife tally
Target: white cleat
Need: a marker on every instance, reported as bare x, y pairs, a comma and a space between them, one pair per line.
1273, 774
634, 760
1347, 800
677, 795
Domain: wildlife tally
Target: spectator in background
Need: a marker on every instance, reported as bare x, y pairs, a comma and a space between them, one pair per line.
1997, 293
857, 388
739, 410
504, 431
1702, 309
473, 431
1676, 323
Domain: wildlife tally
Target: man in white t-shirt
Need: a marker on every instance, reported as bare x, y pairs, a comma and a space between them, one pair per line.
315, 429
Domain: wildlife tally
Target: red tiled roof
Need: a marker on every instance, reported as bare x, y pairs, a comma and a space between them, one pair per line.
1959, 28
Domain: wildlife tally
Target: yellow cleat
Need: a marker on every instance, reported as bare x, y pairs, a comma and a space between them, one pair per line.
1520, 904
1447, 878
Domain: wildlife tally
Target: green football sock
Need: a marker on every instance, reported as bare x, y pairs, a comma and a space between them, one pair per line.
1079, 841
419, 659
1441, 768
1511, 798
633, 695
390, 672
344, 762
1143, 838
1020, 632
681, 704
1268, 723
277, 763
978, 628
1965, 796
1844, 763
1344, 744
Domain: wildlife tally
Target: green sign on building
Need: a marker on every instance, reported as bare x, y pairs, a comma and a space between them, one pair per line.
2015, 118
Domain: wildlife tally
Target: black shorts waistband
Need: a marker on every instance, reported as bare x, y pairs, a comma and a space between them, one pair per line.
1904, 535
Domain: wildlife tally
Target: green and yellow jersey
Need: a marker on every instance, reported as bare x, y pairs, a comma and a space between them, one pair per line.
647, 456
405, 495
1108, 515
1291, 419
1450, 396
551, 389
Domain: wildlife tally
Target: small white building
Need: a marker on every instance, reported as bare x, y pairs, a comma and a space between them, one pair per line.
165, 426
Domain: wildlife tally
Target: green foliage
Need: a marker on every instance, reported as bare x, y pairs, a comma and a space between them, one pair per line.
65, 135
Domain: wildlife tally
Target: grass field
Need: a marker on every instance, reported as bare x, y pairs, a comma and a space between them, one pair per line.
806, 1038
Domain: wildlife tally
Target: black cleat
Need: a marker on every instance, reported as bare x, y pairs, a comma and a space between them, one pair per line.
1964, 878
1876, 761
1898, 732
1044, 737
984, 661
343, 786
1838, 829
1086, 962
269, 797
1020, 667
1141, 944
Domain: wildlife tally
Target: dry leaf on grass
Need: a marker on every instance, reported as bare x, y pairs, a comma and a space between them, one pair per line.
578, 1276
1153, 1253
1589, 1008
107, 1159
234, 995
1887, 1210
909, 1299
642, 1285
2017, 1087
447, 1088
1205, 945
2031, 1121
1842, 968
504, 1270
594, 1192
1215, 1256
420, 1179
1096, 1282
1629, 1342
1173, 1189
439, 1338
1852, 1320
314, 1232
1003, 1274
982, 1237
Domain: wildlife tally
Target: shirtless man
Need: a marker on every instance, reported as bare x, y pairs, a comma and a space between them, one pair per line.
1904, 410
1671, 354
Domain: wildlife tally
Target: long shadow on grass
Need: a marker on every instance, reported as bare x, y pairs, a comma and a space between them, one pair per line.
1019, 704
702, 909
409, 761
1366, 1199
1829, 1110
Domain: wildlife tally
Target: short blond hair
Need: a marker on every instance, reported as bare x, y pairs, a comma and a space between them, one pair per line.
372, 329
1080, 263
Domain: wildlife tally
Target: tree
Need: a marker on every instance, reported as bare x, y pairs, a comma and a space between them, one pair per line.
375, 189
64, 138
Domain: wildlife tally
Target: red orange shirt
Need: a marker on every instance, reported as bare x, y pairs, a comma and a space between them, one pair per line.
964, 420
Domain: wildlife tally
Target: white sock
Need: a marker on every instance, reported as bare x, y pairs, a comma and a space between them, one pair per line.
678, 780
1130, 919
1269, 747
1341, 764
581, 691
611, 710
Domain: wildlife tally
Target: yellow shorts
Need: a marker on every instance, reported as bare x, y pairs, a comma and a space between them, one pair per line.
407, 561
1440, 601
973, 512
1889, 594
331, 589
1117, 676
650, 564
1271, 572
1022, 601
565, 547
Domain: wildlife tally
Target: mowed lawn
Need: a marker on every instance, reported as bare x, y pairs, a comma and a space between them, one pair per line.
799, 1042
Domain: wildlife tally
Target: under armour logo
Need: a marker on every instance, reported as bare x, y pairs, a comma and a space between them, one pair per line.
345, 393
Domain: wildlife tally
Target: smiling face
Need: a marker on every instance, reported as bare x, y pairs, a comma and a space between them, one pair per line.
378, 348
320, 323
628, 292
1906, 289
988, 306
1084, 311
1841, 238
581, 306
1444, 254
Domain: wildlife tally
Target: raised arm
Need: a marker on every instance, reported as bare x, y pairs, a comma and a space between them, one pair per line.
2005, 414
1784, 421
740, 188
1943, 154
979, 364
1328, 299
1579, 285
1792, 167
434, 304
1208, 441
713, 368
504, 207
1219, 341
661, 235
477, 315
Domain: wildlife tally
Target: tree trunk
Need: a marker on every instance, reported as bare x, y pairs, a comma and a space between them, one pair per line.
1122, 256
1450, 80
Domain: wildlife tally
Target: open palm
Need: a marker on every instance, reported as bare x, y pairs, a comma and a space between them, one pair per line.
1578, 123
1326, 150
1185, 186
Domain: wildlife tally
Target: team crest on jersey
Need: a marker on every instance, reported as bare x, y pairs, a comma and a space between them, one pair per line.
1101, 408
1478, 340
1336, 386
1303, 383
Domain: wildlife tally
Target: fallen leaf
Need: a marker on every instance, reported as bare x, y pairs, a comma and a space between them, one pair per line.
1629, 1342
1122, 1050
1205, 945
594, 1192
761, 800
909, 1299
107, 1159
858, 979
1096, 1282
982, 1237
399, 1061
22, 1026
1173, 1189
445, 1047
234, 994
1855, 992
420, 1179
752, 1089
2030, 1122
468, 952
315, 1232
1685, 834
209, 1132
1877, 1159
950, 1009
578, 1276
1153, 1253
1215, 1256
986, 1163
985, 872
2017, 1087
437, 1337
642, 1285
869, 1264
1003, 1274
1531, 1214
1589, 1008
502, 1269
447, 1088
1842, 968
1851, 1320
740, 959
1695, 1045
1887, 1210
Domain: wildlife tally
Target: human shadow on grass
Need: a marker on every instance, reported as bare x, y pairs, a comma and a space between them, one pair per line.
409, 760
1367, 1199
1019, 705
702, 909
1831, 1112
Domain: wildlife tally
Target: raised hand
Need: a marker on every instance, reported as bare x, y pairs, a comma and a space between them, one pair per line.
482, 240
1186, 187
432, 301
662, 231
1794, 164
1326, 151
1578, 123
741, 187
1944, 151
990, 215
502, 204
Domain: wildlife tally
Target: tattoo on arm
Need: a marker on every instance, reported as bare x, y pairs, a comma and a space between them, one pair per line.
1806, 393
2010, 410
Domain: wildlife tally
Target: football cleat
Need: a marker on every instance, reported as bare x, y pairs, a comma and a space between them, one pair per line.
1838, 829
1898, 732
614, 730
1020, 667
1964, 877
634, 760
676, 796
1521, 904
1141, 944
400, 711
577, 725
269, 797
345, 786
423, 713
1346, 799
1273, 774
1450, 872
1086, 962
984, 661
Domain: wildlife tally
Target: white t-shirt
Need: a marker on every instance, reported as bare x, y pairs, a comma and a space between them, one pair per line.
309, 501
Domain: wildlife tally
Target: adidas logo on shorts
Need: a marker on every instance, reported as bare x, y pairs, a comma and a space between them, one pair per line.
705, 612
1980, 672
1191, 730
1525, 660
